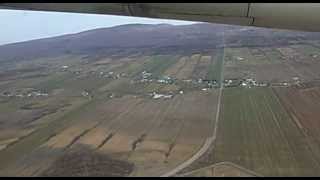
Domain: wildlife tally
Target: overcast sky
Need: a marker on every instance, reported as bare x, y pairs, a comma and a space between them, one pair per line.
17, 26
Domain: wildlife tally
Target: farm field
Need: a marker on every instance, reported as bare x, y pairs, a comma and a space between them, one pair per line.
85, 110
128, 134
93, 113
302, 104
256, 133
213, 104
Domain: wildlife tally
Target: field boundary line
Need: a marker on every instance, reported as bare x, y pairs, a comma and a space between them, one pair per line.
248, 171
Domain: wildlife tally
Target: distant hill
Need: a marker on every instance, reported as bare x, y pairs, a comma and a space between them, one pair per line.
161, 38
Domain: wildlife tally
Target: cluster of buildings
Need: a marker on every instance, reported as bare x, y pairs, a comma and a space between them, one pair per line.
147, 77
295, 81
27, 93
247, 83
250, 82
165, 80
210, 83
112, 75
102, 74
37, 93
207, 83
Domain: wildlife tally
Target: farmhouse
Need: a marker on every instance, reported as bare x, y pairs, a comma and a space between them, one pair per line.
244, 84
227, 82
295, 78
85, 93
19, 95
164, 96
239, 58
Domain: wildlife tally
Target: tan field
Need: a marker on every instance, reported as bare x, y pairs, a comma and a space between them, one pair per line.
187, 70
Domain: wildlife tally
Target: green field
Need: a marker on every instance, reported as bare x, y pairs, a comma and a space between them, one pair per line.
256, 132
158, 64
215, 68
40, 136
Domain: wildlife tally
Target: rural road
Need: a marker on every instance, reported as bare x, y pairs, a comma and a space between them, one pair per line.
209, 141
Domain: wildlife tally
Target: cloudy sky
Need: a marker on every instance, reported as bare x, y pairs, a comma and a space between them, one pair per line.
17, 26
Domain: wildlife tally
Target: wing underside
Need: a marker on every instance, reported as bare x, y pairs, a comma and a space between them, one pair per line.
296, 16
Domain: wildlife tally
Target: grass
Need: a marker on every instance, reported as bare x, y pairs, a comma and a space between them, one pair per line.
256, 132
274, 55
159, 64
133, 68
53, 125
216, 66
55, 81
307, 50
40, 136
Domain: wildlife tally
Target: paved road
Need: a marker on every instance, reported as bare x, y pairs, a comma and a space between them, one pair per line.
209, 141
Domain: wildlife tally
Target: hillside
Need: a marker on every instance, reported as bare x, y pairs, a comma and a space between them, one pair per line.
142, 38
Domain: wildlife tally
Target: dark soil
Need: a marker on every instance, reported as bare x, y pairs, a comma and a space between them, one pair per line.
83, 162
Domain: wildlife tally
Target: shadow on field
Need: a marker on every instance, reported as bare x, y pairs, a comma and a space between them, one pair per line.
82, 161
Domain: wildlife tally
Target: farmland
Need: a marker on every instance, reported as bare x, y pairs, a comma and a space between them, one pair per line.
149, 110
261, 136
302, 103
257, 133
101, 111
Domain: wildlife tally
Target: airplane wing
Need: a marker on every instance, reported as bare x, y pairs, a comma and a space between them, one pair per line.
295, 16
